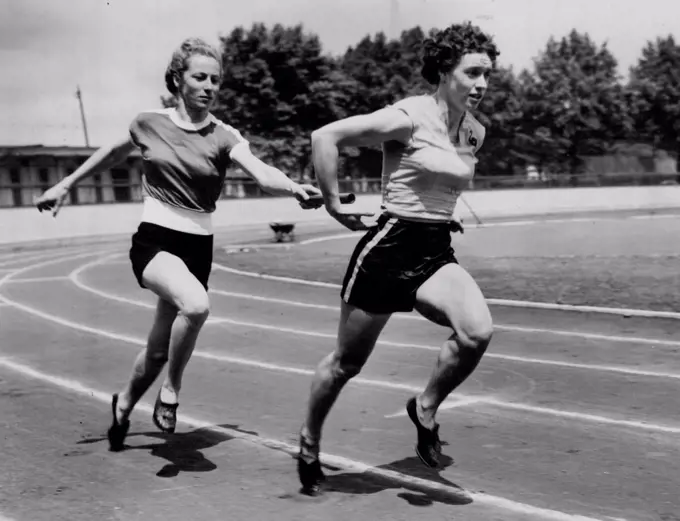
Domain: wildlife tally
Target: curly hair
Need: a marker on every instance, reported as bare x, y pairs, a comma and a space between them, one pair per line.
444, 49
180, 58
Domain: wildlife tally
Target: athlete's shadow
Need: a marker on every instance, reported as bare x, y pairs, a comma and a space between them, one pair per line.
365, 483
181, 450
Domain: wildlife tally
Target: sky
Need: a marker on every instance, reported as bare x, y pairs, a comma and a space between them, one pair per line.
117, 50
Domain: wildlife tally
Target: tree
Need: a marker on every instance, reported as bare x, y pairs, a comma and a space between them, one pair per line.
277, 88
654, 94
501, 112
575, 103
383, 72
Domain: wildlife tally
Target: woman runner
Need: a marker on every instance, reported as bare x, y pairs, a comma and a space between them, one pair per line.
406, 261
186, 152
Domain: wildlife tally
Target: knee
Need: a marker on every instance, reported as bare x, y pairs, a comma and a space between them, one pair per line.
474, 335
342, 371
476, 339
158, 358
196, 309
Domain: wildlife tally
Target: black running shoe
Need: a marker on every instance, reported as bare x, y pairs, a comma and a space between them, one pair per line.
118, 431
309, 468
429, 446
164, 415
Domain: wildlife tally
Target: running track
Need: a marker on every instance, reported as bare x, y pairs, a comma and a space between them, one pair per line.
570, 417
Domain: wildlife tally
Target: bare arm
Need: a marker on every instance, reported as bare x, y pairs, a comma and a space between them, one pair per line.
365, 130
270, 179
387, 124
103, 159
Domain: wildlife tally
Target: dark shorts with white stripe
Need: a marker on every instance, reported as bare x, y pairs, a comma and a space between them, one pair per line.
392, 260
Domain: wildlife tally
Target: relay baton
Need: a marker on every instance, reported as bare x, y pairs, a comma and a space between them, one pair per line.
345, 198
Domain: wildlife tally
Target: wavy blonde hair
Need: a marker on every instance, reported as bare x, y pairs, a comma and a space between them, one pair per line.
180, 60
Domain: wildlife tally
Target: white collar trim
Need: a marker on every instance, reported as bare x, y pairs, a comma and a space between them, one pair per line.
188, 125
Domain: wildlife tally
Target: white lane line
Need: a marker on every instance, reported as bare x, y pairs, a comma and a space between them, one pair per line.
590, 336
327, 238
582, 416
499, 327
341, 462
200, 353
624, 312
12, 275
74, 276
35, 279
628, 312
264, 276
258, 298
590, 367
497, 224
301, 371
37, 256
13, 255
28, 258
364, 381
234, 248
19, 255
585, 367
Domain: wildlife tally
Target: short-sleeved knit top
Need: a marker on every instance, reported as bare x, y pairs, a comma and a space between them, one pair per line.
184, 164
417, 180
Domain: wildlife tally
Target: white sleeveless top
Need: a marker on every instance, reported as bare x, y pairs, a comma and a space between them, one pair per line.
416, 178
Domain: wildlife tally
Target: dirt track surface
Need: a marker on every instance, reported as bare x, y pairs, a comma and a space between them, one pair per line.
570, 416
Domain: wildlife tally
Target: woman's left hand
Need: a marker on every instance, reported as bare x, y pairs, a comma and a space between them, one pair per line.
308, 190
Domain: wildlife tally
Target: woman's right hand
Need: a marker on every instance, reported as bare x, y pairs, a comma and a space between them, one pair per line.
53, 198
348, 217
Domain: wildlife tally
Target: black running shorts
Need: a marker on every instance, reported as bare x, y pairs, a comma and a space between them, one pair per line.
392, 260
195, 250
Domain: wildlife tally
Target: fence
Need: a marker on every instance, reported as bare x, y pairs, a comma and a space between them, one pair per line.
89, 192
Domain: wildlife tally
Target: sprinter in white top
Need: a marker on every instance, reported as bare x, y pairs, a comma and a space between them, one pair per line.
406, 261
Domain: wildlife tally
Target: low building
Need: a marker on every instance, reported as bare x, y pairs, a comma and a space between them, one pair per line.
27, 171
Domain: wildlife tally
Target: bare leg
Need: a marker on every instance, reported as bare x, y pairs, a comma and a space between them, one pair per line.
168, 277
358, 333
185, 332
451, 298
150, 361
455, 363
181, 312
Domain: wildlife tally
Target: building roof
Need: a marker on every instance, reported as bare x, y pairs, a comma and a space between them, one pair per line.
49, 151
34, 151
